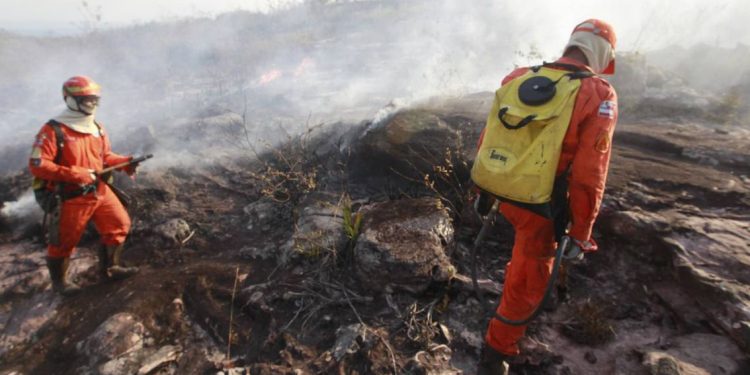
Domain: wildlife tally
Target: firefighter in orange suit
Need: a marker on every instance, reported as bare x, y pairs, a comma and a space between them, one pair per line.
70, 172
585, 157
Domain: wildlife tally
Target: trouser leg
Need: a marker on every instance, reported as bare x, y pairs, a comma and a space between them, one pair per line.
113, 223
526, 277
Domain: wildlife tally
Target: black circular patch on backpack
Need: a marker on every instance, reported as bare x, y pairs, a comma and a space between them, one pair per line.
537, 90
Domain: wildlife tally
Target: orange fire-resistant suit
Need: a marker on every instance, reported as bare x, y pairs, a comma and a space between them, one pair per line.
586, 150
81, 153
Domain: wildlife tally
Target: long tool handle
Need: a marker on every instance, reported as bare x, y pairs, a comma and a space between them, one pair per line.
486, 226
125, 164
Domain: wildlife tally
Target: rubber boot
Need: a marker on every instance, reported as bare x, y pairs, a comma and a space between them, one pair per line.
492, 363
58, 270
103, 262
115, 270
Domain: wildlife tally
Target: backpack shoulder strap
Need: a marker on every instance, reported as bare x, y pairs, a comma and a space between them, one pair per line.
59, 138
98, 127
576, 72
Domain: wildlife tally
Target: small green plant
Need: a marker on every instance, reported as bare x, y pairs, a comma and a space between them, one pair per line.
352, 222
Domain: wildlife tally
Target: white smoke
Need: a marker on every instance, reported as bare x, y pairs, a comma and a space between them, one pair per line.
321, 61
23, 211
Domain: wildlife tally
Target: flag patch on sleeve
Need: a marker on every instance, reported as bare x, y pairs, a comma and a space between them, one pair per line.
607, 109
36, 152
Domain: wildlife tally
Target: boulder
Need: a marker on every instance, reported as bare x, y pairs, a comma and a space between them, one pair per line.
404, 244
115, 337
410, 142
319, 227
175, 230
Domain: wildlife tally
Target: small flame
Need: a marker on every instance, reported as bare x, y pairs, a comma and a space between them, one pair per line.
270, 76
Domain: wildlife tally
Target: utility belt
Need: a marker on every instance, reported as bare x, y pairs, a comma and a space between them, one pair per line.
78, 190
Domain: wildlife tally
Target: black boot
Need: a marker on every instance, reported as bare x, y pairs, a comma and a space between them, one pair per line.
110, 265
492, 363
58, 270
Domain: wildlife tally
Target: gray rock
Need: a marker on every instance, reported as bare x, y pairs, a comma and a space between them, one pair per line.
404, 243
176, 230
115, 337
319, 227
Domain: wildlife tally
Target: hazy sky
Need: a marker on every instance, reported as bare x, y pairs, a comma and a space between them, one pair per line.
42, 17
641, 24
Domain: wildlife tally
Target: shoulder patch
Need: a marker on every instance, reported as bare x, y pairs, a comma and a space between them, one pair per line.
602, 142
607, 109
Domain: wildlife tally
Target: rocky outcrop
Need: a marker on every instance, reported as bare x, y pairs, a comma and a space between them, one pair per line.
707, 253
117, 336
120, 345
404, 244
689, 355
319, 227
410, 142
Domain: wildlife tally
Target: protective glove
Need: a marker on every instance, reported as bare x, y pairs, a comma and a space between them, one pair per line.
83, 176
577, 249
483, 204
131, 169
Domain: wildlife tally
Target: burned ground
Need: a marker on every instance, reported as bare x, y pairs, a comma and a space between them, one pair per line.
236, 294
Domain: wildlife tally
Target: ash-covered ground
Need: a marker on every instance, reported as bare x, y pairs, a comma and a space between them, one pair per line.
347, 250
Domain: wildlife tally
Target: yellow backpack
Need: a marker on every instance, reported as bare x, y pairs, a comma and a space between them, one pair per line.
523, 137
